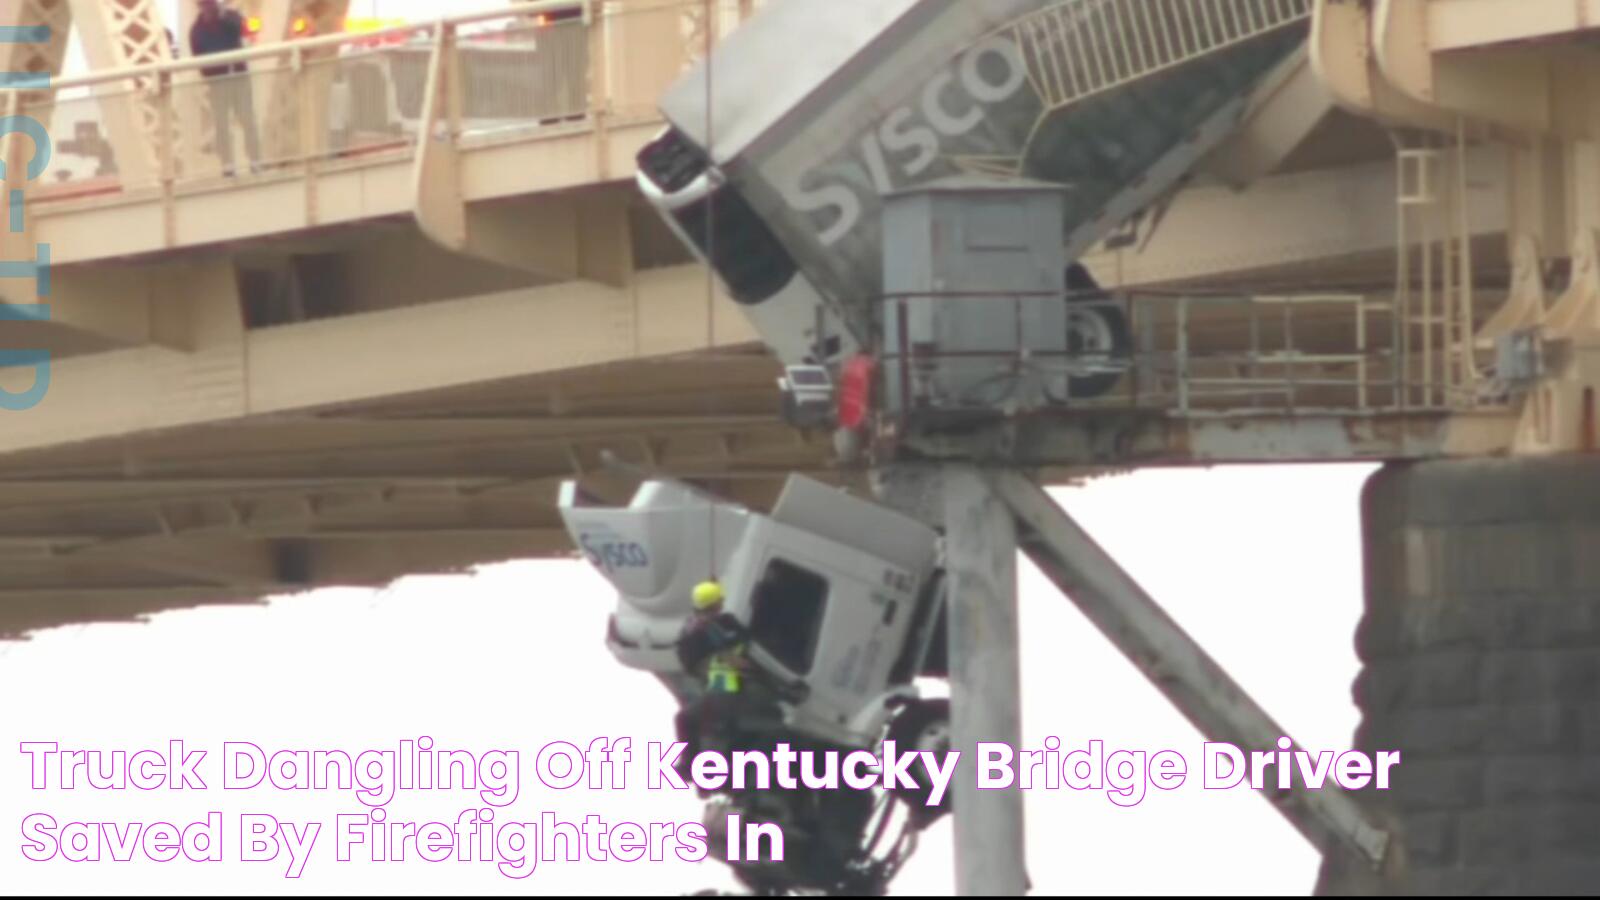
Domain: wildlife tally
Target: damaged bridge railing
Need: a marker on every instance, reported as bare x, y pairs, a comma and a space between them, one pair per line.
1184, 354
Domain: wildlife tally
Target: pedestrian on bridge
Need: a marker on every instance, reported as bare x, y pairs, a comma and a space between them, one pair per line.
221, 31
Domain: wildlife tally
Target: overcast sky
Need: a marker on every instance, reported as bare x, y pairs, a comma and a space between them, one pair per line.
1262, 565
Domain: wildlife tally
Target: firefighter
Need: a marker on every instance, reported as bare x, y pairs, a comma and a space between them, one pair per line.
715, 640
728, 715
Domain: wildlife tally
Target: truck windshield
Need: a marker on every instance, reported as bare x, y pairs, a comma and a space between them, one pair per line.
786, 614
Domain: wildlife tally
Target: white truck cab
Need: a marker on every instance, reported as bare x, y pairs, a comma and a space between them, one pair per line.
787, 310
839, 594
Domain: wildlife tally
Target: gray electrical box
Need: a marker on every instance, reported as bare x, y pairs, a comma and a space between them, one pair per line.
973, 314
1519, 359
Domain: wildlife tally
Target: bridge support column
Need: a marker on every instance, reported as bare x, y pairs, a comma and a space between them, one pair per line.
985, 681
980, 560
1480, 647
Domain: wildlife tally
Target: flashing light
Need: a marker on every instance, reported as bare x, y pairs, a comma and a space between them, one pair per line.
362, 25
300, 27
369, 25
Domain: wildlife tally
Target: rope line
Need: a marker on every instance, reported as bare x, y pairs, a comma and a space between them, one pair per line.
710, 27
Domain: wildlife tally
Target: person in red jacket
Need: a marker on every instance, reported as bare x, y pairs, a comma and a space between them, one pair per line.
217, 30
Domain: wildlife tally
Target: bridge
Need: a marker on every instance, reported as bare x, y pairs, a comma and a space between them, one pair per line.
439, 293
379, 354
421, 290
436, 293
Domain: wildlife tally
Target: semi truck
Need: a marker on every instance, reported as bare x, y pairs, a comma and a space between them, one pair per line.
780, 152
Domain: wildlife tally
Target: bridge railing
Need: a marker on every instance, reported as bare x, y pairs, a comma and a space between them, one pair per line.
345, 99
1183, 354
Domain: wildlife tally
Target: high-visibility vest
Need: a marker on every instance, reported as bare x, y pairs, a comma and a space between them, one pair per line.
722, 675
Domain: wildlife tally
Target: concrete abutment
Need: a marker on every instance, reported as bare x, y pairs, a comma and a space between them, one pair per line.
1480, 652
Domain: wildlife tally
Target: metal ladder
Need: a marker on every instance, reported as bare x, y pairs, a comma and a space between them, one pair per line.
1436, 364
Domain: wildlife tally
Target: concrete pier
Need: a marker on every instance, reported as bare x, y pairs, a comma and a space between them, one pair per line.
1480, 647
985, 682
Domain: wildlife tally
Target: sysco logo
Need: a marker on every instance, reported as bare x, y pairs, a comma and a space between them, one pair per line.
912, 136
609, 553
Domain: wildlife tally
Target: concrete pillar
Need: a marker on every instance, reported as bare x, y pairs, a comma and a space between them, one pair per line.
1480, 647
985, 681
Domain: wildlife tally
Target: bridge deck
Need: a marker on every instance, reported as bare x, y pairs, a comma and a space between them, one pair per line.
440, 294
376, 354
520, 106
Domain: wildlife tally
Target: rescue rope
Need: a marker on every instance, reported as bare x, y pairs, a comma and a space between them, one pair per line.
710, 27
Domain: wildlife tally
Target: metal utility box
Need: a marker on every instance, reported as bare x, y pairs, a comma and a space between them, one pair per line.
1519, 359
973, 316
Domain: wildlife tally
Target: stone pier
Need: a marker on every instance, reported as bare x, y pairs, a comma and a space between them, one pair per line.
1480, 650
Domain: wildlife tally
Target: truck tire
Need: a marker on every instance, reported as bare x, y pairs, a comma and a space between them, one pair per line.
1102, 330
1096, 324
922, 725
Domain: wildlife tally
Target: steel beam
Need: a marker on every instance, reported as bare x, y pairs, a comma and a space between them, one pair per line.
277, 370
119, 34
1153, 438
26, 55
1284, 111
294, 106
1330, 819
1339, 218
985, 681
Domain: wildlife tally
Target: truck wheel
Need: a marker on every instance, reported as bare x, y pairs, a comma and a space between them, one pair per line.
922, 725
1096, 326
1099, 331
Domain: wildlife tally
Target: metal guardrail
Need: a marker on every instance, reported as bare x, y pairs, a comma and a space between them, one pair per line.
1075, 51
1188, 355
346, 99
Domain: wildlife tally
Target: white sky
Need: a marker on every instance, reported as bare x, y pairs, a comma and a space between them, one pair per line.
1262, 565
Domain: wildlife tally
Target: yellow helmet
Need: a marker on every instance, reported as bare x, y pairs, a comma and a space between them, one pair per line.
707, 594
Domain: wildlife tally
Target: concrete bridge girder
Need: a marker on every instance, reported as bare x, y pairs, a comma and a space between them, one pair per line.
231, 374
553, 209
371, 492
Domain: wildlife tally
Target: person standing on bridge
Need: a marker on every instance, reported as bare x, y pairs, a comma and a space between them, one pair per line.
220, 31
